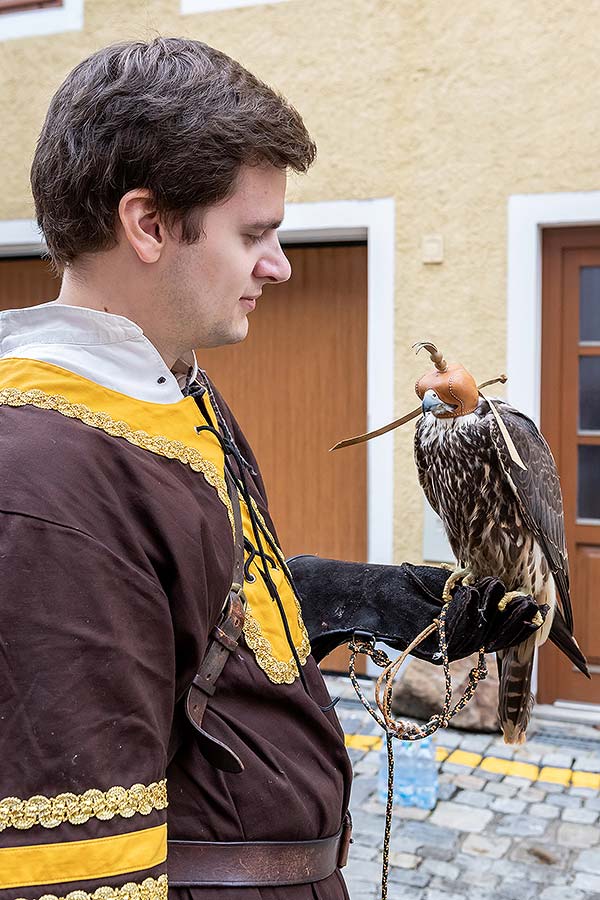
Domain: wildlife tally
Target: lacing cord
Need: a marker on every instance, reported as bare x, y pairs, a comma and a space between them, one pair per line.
230, 449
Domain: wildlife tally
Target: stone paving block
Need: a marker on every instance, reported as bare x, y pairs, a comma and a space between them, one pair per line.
481, 845
501, 750
500, 789
583, 792
531, 794
592, 802
410, 812
542, 858
535, 873
449, 738
476, 743
564, 800
405, 860
414, 878
558, 893
558, 759
551, 788
587, 763
586, 882
429, 833
521, 826
446, 870
474, 798
360, 850
432, 851
362, 789
588, 861
437, 894
461, 817
508, 805
517, 890
446, 790
362, 870
581, 816
469, 782
571, 835
517, 782
544, 811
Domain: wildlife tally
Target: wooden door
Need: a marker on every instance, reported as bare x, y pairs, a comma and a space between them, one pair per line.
571, 423
297, 384
26, 282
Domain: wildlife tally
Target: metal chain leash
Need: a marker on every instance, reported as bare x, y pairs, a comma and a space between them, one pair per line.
402, 730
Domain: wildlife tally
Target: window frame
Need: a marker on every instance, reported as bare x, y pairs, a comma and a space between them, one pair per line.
41, 21
191, 7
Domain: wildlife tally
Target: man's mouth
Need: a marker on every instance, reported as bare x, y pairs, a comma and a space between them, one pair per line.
249, 302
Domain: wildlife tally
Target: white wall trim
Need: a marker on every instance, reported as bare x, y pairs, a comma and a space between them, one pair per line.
20, 237
373, 220
199, 6
528, 214
370, 220
30, 23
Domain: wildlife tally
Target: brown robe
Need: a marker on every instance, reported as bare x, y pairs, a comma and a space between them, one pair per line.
114, 563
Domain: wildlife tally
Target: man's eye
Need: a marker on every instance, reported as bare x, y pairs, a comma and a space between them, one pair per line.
255, 238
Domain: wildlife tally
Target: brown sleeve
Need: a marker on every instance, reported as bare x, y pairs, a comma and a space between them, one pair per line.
86, 703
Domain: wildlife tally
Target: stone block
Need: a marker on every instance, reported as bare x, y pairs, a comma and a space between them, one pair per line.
508, 805
469, 782
544, 811
582, 836
584, 881
521, 826
580, 816
567, 801
558, 893
445, 870
460, 817
474, 798
500, 789
532, 795
404, 860
486, 845
588, 861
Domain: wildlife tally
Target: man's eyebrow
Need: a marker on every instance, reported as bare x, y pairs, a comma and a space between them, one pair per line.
264, 226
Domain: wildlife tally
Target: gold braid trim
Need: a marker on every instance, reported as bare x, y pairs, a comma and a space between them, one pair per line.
149, 889
278, 671
49, 812
162, 446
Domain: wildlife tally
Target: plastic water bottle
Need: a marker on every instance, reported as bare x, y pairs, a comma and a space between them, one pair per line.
415, 773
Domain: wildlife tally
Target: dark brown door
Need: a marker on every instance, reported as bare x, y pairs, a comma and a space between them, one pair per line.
571, 423
26, 282
297, 385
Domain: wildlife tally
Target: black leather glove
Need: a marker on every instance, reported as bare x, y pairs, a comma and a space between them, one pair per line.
395, 603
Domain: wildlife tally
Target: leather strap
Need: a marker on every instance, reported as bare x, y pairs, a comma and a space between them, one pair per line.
223, 641
256, 863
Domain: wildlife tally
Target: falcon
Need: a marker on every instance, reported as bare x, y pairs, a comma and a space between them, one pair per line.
490, 476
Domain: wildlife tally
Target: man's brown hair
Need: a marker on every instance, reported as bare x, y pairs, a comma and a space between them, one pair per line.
171, 115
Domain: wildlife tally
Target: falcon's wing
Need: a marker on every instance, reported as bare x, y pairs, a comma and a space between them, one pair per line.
538, 492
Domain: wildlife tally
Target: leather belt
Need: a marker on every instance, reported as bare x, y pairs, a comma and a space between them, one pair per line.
257, 863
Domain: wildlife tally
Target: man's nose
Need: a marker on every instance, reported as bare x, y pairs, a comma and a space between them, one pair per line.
274, 265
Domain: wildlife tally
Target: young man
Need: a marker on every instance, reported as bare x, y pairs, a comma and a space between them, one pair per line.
159, 181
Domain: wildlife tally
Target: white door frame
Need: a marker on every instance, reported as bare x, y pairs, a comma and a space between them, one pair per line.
370, 220
528, 215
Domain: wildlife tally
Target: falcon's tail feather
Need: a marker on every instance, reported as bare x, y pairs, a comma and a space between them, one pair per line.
564, 640
515, 700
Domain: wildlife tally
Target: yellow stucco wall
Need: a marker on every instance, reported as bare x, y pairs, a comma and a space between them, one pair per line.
449, 108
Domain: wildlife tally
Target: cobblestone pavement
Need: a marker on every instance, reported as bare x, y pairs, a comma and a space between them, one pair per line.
492, 836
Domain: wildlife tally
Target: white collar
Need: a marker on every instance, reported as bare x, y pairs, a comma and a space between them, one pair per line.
103, 347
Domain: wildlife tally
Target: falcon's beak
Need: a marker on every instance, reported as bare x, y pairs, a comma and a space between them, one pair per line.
432, 403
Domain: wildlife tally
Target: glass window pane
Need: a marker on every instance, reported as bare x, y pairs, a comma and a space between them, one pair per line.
589, 303
589, 393
588, 483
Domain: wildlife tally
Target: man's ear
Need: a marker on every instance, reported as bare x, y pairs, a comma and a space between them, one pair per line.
141, 224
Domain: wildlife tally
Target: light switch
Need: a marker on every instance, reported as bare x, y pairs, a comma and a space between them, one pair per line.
433, 249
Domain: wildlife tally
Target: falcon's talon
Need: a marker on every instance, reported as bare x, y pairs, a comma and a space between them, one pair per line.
455, 578
538, 619
510, 595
